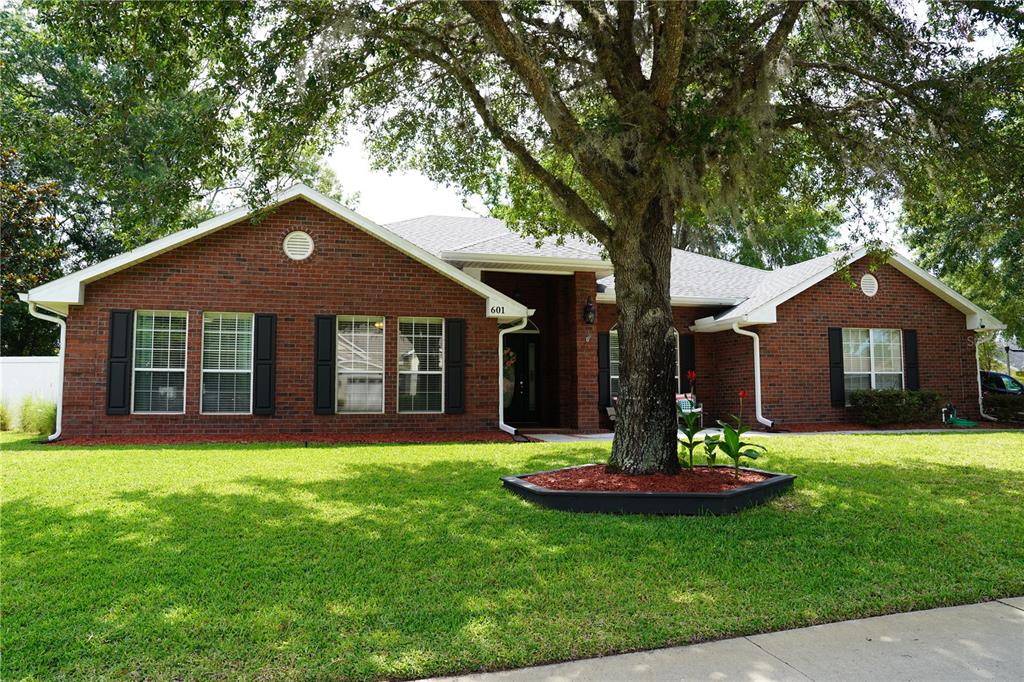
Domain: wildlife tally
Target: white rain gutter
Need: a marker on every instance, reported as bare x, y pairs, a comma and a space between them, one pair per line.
977, 375
757, 373
501, 374
59, 321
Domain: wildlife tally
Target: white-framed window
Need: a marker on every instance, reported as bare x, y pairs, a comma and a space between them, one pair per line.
158, 366
872, 359
613, 360
227, 363
420, 364
360, 364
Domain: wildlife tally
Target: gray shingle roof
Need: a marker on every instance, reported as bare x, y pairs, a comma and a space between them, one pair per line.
512, 244
438, 233
774, 283
698, 276
693, 275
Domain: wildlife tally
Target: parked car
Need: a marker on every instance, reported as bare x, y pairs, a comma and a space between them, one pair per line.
1004, 384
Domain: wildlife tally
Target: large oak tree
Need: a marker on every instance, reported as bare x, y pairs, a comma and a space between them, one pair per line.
615, 120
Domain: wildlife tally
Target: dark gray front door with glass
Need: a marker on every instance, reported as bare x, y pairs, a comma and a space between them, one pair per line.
522, 377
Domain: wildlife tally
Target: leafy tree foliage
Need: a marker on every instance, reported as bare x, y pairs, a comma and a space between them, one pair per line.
126, 135
31, 253
617, 121
964, 215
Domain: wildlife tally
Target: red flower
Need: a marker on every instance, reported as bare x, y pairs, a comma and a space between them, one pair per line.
743, 393
691, 375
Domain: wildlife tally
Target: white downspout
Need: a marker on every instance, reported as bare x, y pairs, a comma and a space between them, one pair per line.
59, 321
501, 374
757, 373
977, 375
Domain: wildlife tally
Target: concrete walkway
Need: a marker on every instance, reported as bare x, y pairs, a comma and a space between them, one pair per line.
974, 642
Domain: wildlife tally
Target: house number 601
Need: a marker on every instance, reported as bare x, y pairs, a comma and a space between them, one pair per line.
498, 309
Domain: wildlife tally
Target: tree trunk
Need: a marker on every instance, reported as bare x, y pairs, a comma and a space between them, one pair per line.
645, 426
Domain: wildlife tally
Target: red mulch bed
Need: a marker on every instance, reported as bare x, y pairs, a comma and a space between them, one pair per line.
356, 438
596, 477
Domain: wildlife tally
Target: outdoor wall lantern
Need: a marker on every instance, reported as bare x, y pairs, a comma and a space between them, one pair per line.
589, 312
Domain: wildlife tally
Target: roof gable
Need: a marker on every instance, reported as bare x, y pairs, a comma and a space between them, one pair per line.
70, 289
778, 286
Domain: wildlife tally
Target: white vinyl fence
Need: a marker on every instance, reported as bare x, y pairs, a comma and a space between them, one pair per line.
20, 377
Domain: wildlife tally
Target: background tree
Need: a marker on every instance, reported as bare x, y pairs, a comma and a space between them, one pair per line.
30, 254
611, 120
964, 215
123, 140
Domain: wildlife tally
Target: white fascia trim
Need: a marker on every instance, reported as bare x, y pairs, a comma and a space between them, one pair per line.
977, 317
709, 325
581, 264
71, 288
677, 301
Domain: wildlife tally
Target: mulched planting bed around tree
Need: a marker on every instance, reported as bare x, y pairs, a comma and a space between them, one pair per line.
597, 477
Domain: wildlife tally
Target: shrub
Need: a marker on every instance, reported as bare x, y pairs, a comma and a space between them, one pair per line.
38, 415
1005, 407
5, 417
896, 407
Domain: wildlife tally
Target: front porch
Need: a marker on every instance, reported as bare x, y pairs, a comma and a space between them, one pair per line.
550, 366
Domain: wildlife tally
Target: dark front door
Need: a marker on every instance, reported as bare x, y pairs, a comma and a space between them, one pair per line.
522, 378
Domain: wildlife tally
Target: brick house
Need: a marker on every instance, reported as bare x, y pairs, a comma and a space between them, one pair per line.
317, 322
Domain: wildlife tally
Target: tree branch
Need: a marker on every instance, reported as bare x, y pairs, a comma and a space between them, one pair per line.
566, 131
609, 61
665, 71
563, 195
753, 71
908, 91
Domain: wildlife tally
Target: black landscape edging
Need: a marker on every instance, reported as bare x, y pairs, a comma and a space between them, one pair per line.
615, 502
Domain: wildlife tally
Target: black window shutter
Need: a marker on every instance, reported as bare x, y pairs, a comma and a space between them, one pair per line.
687, 360
911, 376
454, 366
119, 363
835, 366
323, 356
604, 384
264, 361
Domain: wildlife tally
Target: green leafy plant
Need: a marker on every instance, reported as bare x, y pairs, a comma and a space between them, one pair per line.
37, 415
731, 441
894, 406
710, 446
691, 428
5, 417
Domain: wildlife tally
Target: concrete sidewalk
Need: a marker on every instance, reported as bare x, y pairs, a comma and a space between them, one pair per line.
973, 642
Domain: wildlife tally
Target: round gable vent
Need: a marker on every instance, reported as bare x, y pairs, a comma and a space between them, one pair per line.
298, 245
869, 285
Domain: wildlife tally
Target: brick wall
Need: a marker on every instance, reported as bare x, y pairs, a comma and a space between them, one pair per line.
569, 384
794, 351
683, 319
242, 268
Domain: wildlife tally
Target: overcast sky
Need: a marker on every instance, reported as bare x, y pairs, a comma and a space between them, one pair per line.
385, 198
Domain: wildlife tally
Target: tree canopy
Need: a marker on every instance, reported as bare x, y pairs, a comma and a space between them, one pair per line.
633, 123
111, 138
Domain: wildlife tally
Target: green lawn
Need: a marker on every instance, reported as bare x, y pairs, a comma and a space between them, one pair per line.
282, 562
